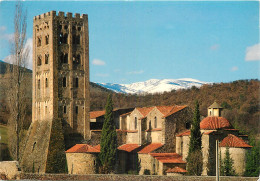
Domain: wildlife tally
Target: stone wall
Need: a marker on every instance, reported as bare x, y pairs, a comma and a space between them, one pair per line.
239, 157
81, 163
146, 163
10, 169
130, 177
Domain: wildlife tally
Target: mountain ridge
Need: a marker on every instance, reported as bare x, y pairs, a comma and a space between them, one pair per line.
154, 85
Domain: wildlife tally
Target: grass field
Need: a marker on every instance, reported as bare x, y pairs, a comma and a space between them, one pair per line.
3, 134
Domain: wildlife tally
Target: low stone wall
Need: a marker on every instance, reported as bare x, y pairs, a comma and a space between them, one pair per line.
117, 177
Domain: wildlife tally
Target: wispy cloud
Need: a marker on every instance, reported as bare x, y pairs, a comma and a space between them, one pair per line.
4, 35
98, 62
214, 47
102, 75
135, 72
28, 63
235, 68
253, 53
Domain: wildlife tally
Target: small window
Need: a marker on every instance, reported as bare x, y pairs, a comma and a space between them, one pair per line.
39, 60
65, 58
76, 82
155, 122
73, 27
64, 109
65, 39
39, 41
210, 113
39, 83
46, 82
47, 39
79, 28
46, 109
187, 125
46, 58
66, 27
34, 145
76, 109
64, 82
135, 122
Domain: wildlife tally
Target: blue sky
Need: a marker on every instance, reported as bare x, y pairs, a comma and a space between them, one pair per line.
135, 41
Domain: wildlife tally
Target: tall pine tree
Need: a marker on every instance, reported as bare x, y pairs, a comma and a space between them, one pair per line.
108, 151
194, 158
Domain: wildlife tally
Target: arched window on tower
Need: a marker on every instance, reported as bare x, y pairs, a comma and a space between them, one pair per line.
64, 82
47, 39
46, 82
39, 60
39, 83
46, 58
39, 41
155, 122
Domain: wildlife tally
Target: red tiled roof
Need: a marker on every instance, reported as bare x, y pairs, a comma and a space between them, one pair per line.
128, 147
151, 147
175, 109
176, 170
233, 141
165, 110
155, 129
97, 147
208, 132
126, 114
185, 133
82, 148
95, 114
214, 122
167, 157
144, 110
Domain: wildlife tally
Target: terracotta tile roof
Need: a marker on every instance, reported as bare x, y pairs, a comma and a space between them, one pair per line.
125, 114
165, 109
151, 147
97, 147
82, 148
144, 110
185, 133
128, 147
233, 141
208, 132
155, 129
95, 114
175, 109
214, 122
176, 170
167, 157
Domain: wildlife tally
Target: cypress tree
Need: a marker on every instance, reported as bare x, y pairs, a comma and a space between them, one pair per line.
194, 158
108, 151
195, 135
228, 169
253, 159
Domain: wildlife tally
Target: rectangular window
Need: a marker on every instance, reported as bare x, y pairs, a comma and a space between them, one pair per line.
64, 82
39, 60
46, 58
39, 83
76, 82
47, 39
46, 82
39, 41
64, 109
76, 109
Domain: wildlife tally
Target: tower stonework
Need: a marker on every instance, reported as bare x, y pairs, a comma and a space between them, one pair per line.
61, 70
60, 100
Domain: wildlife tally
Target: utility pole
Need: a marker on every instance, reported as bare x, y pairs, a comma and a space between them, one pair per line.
217, 160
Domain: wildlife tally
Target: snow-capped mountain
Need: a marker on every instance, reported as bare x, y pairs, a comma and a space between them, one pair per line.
154, 85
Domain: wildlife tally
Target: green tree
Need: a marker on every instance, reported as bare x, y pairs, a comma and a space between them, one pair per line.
108, 152
253, 160
194, 159
227, 166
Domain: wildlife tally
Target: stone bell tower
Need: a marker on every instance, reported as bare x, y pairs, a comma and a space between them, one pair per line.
61, 70
60, 87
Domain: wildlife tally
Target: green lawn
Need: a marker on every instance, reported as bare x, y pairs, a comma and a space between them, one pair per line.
3, 134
